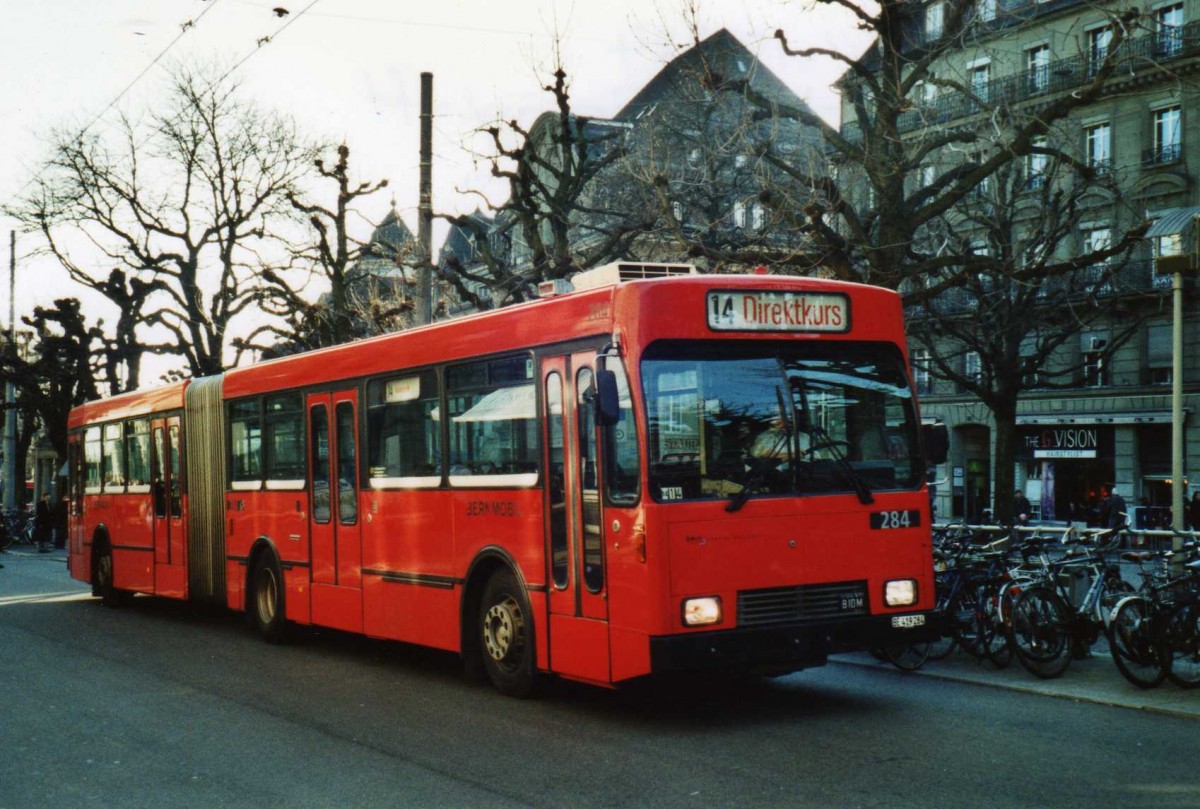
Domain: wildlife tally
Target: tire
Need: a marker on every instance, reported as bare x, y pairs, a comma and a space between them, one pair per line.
266, 603
1041, 632
1181, 644
505, 634
1132, 644
941, 648
966, 612
102, 579
994, 637
908, 658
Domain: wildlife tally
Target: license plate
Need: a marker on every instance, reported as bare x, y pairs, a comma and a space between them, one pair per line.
907, 621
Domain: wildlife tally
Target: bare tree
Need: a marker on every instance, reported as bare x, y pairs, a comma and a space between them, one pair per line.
57, 371
362, 285
934, 195
551, 225
165, 218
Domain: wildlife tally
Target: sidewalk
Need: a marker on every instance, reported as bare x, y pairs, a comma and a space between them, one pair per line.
1093, 680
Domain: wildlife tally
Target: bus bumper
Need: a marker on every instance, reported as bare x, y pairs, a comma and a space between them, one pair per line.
783, 648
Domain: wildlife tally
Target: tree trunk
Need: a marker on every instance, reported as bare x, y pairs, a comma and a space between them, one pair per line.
1005, 414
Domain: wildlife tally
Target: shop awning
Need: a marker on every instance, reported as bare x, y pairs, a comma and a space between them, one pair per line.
1173, 220
1132, 417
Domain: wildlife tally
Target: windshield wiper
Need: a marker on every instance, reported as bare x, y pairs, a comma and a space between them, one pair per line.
847, 469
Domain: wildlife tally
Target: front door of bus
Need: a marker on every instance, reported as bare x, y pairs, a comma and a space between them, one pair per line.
336, 549
166, 494
575, 551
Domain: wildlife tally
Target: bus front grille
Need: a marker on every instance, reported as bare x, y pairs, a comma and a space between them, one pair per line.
802, 604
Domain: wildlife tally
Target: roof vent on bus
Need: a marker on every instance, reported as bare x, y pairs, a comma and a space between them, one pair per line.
620, 271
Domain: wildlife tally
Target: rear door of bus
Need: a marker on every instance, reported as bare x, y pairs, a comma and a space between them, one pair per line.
166, 487
334, 527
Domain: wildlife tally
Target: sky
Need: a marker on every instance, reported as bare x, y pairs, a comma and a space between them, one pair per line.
349, 70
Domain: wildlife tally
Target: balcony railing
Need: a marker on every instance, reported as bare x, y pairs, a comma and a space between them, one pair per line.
1135, 56
1100, 280
1166, 153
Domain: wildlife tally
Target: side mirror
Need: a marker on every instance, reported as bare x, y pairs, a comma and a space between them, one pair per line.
936, 439
608, 400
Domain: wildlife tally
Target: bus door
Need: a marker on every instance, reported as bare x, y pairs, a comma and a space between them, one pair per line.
75, 483
336, 547
166, 494
574, 552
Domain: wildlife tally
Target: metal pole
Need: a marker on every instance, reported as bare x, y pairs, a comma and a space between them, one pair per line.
10, 391
1177, 485
425, 206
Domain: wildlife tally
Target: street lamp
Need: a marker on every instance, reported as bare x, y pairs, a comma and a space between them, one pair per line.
1172, 260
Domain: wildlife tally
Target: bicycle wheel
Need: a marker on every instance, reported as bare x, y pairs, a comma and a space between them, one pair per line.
1181, 645
908, 658
992, 632
1041, 632
1131, 643
965, 614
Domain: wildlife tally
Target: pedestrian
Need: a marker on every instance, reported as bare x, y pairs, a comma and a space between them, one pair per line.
43, 524
1021, 508
1116, 507
1193, 511
60, 522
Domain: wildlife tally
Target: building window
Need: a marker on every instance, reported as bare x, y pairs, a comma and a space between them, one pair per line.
1098, 41
985, 10
1168, 138
1159, 356
1037, 164
934, 16
1098, 146
1168, 35
1095, 361
1032, 375
922, 378
972, 367
980, 76
1037, 65
758, 217
739, 214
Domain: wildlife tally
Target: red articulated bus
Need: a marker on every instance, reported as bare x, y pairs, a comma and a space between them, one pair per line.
674, 473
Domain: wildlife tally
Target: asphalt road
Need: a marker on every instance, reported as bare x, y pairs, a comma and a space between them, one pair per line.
157, 705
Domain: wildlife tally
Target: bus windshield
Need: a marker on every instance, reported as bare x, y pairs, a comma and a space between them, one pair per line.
737, 419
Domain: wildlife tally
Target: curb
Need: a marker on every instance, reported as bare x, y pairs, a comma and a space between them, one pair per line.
1066, 689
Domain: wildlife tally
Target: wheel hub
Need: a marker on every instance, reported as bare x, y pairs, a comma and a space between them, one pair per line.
503, 629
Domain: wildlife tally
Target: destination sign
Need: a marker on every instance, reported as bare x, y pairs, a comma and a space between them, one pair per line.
732, 310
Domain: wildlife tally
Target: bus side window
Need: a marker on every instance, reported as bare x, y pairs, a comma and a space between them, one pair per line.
245, 438
621, 457
159, 473
113, 457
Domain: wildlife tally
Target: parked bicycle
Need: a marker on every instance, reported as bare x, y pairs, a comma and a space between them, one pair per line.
1155, 633
1050, 623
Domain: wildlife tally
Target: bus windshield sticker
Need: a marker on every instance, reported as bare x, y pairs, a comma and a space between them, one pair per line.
730, 310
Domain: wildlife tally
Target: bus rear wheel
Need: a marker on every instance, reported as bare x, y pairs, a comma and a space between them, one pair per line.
266, 602
506, 636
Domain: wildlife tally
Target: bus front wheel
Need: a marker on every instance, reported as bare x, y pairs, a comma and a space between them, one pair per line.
266, 604
506, 636
102, 579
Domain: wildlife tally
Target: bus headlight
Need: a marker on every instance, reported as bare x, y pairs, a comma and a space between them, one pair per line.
702, 611
900, 592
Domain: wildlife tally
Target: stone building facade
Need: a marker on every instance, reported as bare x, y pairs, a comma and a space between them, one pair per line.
1108, 418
